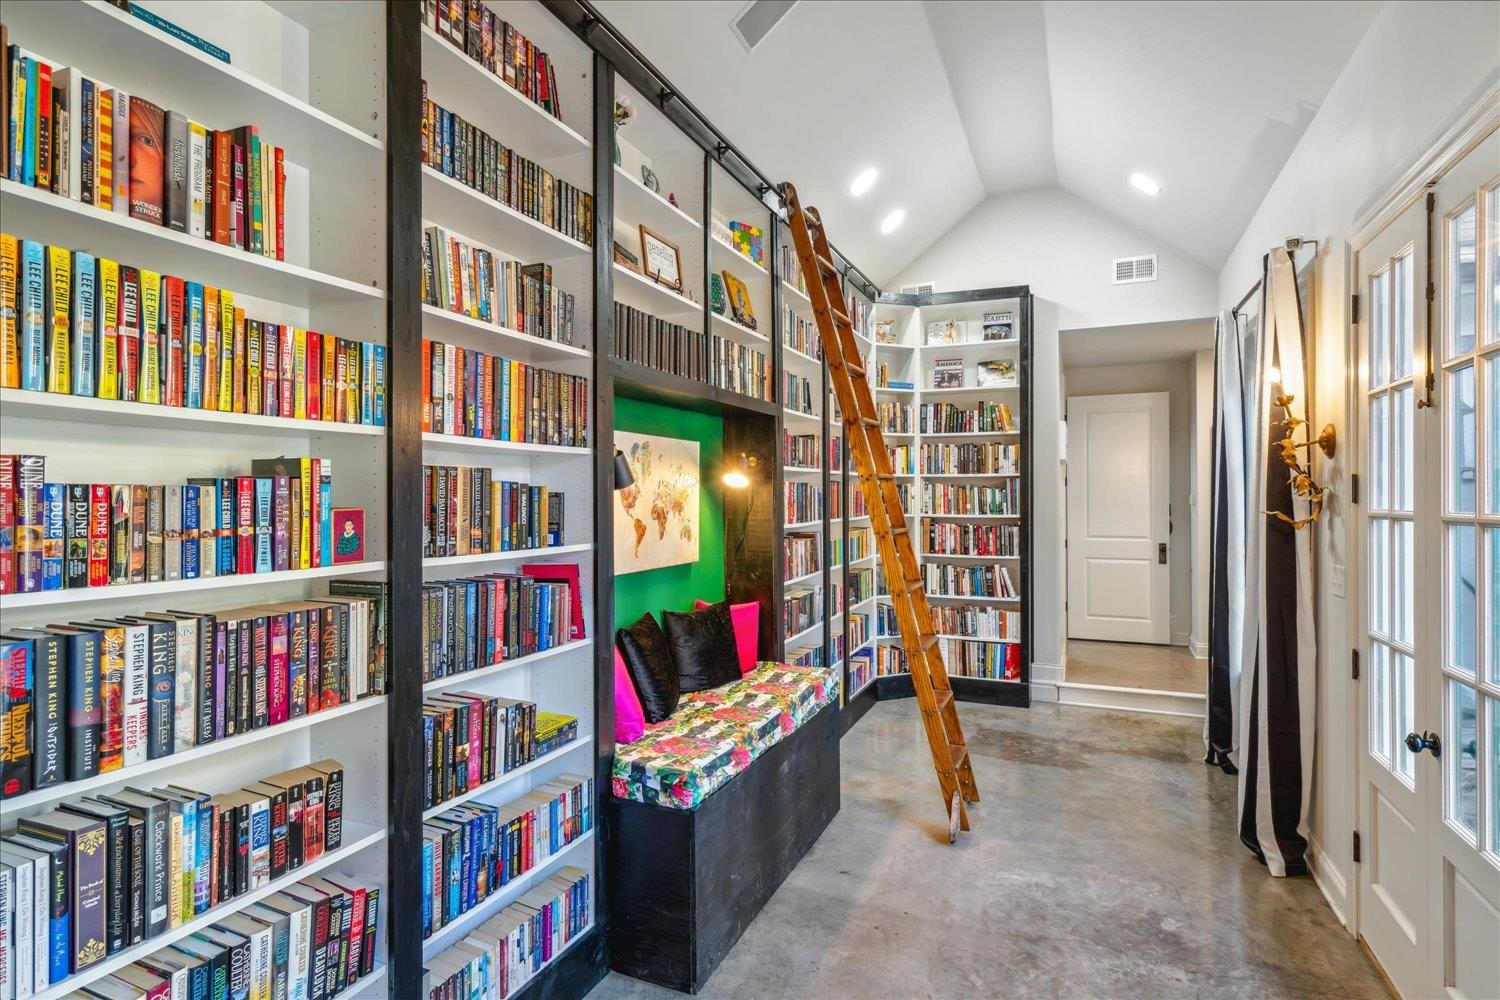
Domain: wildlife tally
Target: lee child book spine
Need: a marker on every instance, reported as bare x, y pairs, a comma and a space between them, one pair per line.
59, 308
84, 345
32, 311
10, 265
129, 338
151, 341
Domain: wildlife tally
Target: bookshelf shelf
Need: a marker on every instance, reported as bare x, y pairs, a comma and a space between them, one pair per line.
504, 779
456, 442
531, 659
357, 836
658, 300
639, 382
488, 907
19, 403
796, 297
644, 206
111, 45
806, 361
448, 203
793, 416
805, 577
804, 525
804, 633
461, 85
36, 214
758, 272
799, 470
974, 345
86, 595
512, 343
373, 985
739, 328
233, 744
970, 390
513, 555
886, 390
969, 434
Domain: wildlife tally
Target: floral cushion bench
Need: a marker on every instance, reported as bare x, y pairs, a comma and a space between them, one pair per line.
712, 809
716, 734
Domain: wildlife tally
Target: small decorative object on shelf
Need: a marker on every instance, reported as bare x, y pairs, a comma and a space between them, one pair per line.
672, 199
661, 261
739, 301
999, 374
885, 331
648, 178
349, 546
718, 298
625, 258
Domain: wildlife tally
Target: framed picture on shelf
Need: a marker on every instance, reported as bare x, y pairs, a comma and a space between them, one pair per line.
648, 178
661, 261
740, 309
948, 373
625, 258
1000, 374
349, 546
885, 331
999, 326
943, 332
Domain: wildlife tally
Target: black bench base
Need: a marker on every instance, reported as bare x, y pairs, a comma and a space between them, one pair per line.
684, 884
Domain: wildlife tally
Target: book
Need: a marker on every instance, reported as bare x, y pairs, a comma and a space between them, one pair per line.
996, 374
947, 373
147, 167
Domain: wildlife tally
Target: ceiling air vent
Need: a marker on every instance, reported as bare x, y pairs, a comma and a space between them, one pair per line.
919, 288
755, 22
1129, 270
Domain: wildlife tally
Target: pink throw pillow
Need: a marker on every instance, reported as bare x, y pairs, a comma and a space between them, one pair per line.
746, 621
630, 718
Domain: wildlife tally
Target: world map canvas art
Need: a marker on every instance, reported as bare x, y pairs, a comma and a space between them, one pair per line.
656, 518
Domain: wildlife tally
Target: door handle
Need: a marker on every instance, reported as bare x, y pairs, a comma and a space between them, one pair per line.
1427, 741
1161, 553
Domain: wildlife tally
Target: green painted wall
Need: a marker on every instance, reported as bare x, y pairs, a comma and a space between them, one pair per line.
675, 587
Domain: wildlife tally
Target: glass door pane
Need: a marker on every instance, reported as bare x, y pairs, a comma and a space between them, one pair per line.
1462, 282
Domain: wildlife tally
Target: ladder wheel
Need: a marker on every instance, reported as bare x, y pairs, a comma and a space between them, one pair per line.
953, 808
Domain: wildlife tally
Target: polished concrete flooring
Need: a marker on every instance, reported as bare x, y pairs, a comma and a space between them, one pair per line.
1136, 665
1103, 863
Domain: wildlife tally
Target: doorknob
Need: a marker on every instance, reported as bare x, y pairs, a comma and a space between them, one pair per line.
1427, 741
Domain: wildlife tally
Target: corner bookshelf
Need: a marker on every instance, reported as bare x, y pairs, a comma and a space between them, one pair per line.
967, 471
861, 566
313, 79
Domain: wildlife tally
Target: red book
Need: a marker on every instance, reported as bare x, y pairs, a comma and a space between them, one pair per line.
277, 682
46, 134
245, 525
8, 524
98, 535
1012, 661
280, 204
356, 923
426, 386
288, 349
237, 181
220, 185
315, 515
313, 371
176, 356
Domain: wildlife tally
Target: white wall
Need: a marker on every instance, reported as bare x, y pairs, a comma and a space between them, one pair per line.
1175, 378
1063, 248
1201, 500
1419, 67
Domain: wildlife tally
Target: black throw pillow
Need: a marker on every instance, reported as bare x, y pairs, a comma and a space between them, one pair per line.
702, 644
649, 661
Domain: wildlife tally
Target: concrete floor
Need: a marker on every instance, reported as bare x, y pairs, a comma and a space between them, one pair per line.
1103, 864
1136, 665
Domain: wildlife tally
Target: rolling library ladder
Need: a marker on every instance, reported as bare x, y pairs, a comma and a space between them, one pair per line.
872, 462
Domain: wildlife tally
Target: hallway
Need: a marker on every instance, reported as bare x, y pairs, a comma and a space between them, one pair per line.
1103, 864
1136, 665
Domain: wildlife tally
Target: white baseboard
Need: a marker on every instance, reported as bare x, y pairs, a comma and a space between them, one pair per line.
1330, 882
1045, 677
1198, 648
1124, 699
1180, 638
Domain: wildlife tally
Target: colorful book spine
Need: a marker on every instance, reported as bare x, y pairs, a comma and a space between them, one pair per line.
84, 345
106, 325
33, 332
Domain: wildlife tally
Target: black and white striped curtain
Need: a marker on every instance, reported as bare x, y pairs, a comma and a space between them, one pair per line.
1262, 642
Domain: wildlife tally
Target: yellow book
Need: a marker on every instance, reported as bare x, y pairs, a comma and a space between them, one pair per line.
108, 327
10, 347
59, 308
174, 869
211, 348
299, 373
331, 385
240, 390
254, 345
517, 401
229, 351
304, 555
150, 385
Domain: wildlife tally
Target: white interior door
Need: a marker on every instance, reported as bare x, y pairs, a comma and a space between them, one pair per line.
1119, 584
1429, 801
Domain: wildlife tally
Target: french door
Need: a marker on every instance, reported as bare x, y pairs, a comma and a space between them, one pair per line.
1429, 792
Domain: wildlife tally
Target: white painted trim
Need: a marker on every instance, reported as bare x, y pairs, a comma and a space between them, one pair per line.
1451, 147
1125, 699
1045, 677
1330, 882
1180, 638
1198, 648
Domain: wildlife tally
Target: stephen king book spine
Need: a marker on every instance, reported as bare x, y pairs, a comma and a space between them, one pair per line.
15, 716
54, 506
161, 706
136, 701
49, 709
76, 543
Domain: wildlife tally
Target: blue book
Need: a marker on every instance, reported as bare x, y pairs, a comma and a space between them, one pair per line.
33, 316
193, 362
29, 126
427, 872
366, 381
85, 342
325, 513
260, 843
190, 543
471, 616
507, 504
227, 507
377, 385
455, 880
60, 918
263, 529
54, 503
545, 610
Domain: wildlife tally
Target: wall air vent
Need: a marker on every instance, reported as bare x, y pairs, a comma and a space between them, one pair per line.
1129, 270
752, 24
919, 288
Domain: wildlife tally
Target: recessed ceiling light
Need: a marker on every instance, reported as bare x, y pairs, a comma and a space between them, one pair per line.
892, 222
863, 182
1145, 185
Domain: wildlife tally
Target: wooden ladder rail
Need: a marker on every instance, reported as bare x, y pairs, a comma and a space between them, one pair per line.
872, 462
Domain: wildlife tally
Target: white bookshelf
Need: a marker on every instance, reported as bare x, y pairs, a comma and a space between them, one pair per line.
314, 84
559, 679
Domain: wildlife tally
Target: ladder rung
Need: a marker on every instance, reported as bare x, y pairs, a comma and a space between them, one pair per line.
855, 369
957, 753
869, 422
828, 266
840, 316
914, 587
942, 699
929, 640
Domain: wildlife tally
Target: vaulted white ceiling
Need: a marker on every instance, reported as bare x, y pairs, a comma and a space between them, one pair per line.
955, 101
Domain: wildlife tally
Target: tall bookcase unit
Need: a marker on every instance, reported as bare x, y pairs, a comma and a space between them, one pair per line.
542, 339
967, 471
312, 78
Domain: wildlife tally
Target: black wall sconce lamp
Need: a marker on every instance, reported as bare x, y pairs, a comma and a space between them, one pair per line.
623, 476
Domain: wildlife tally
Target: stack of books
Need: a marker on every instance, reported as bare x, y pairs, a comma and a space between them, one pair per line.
946, 418
977, 623
473, 281
801, 551
478, 32
468, 512
472, 394
476, 622
1003, 500
470, 739
82, 325
800, 451
740, 368
643, 339
990, 458
947, 538
801, 607
804, 501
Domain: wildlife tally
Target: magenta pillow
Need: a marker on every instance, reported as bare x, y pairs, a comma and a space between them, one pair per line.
630, 718
746, 621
